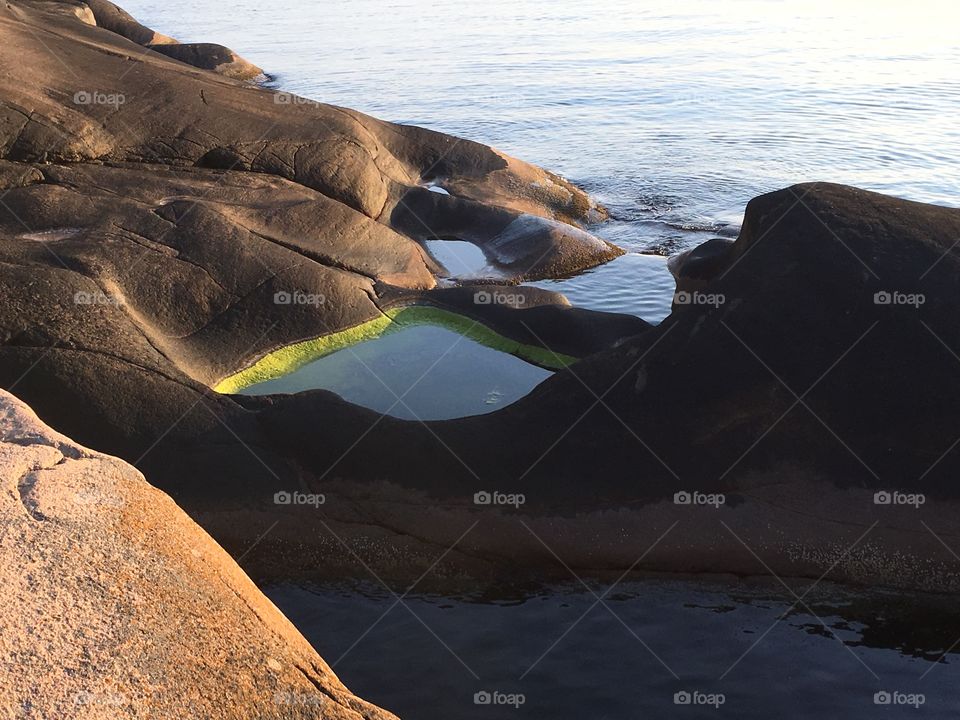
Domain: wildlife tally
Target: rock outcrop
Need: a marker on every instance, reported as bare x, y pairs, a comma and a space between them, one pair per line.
158, 211
154, 213
115, 102
812, 381
117, 605
106, 15
119, 21
210, 56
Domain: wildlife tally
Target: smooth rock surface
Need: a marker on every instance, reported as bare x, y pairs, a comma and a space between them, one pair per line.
117, 605
209, 56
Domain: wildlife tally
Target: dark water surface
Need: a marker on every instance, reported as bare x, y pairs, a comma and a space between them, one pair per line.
573, 659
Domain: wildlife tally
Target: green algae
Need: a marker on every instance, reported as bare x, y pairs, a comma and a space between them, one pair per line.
287, 359
425, 315
292, 357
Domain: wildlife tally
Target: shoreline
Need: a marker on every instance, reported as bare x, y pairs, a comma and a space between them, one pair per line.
203, 232
791, 421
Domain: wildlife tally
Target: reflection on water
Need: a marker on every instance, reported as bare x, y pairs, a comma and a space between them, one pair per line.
636, 284
421, 372
657, 638
461, 259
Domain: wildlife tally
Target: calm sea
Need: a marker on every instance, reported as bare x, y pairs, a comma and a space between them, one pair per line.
673, 112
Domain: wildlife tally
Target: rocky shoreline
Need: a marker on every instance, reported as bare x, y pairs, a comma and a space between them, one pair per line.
795, 415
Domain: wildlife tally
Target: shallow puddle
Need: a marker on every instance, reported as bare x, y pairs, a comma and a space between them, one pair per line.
462, 259
635, 284
422, 372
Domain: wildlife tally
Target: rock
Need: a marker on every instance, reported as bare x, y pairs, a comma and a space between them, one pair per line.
148, 267
535, 317
117, 605
803, 291
16, 175
531, 246
72, 8
209, 56
83, 12
206, 56
851, 314
695, 268
97, 110
119, 21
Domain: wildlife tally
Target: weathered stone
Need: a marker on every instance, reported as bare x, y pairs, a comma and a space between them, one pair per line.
117, 605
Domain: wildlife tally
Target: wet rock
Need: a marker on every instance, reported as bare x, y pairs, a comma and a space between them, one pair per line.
695, 268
